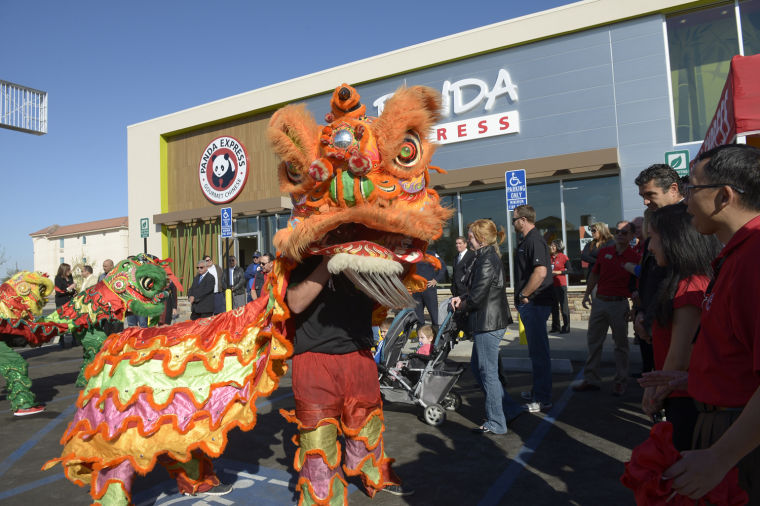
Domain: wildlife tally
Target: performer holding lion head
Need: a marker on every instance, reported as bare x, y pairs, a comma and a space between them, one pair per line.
362, 217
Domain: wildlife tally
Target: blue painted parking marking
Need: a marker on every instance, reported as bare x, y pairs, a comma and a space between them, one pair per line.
8, 462
31, 486
251, 485
504, 482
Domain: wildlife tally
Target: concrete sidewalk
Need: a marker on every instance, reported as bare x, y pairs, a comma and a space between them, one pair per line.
565, 349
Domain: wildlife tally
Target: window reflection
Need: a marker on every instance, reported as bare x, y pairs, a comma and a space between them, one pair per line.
750, 17
444, 246
586, 201
701, 44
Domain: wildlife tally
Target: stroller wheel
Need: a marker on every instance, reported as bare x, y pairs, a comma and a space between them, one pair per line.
435, 415
452, 401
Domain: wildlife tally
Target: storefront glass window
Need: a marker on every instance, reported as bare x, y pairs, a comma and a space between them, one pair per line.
489, 204
445, 245
750, 17
586, 202
268, 229
247, 225
701, 44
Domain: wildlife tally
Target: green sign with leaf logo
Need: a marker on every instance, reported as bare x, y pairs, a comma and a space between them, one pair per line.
144, 228
679, 160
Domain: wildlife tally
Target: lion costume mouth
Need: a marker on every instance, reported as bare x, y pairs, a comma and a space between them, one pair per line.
359, 188
373, 260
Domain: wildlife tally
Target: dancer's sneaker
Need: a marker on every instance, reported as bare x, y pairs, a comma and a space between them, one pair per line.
397, 490
221, 489
29, 411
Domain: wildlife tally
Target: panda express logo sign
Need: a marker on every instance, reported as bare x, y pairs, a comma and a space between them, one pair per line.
223, 169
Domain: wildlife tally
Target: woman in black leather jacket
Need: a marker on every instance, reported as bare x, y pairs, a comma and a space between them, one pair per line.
487, 314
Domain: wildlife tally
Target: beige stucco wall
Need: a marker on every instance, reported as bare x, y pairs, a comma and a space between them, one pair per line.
113, 244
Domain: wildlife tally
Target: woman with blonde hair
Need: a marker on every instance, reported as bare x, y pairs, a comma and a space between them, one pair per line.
601, 237
485, 304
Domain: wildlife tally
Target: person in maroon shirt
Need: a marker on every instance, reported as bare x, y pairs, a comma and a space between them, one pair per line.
559, 285
724, 372
609, 310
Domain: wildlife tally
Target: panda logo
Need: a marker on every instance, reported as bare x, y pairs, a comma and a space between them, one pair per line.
224, 170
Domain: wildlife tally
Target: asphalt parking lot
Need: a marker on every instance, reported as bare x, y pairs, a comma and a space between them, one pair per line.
573, 454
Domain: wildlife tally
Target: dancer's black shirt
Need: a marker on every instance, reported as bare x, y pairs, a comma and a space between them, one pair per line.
339, 319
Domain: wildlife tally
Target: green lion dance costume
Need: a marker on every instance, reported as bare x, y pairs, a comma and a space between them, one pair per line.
170, 394
21, 300
136, 284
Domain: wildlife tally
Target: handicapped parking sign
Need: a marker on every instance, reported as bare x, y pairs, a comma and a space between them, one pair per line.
226, 222
516, 187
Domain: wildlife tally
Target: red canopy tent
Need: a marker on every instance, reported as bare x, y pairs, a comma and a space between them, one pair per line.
737, 117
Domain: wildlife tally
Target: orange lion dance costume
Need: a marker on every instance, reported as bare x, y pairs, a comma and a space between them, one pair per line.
360, 195
169, 395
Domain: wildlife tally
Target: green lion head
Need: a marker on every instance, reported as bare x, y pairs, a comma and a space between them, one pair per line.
141, 282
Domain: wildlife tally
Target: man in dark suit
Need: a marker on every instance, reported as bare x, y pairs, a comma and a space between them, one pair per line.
220, 285
236, 282
201, 293
462, 263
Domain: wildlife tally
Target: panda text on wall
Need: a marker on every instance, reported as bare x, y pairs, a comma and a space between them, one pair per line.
224, 170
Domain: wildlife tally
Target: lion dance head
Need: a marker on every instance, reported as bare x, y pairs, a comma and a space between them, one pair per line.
24, 295
360, 189
141, 282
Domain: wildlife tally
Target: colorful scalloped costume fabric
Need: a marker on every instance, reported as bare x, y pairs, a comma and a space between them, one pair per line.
171, 394
174, 392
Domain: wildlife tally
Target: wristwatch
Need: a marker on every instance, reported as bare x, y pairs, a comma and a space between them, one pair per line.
523, 296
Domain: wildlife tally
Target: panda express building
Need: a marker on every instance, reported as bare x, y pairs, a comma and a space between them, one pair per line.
582, 97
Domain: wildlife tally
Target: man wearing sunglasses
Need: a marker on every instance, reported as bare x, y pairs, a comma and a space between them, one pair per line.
201, 293
609, 310
723, 196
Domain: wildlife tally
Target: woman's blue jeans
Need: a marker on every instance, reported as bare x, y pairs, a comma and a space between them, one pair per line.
485, 367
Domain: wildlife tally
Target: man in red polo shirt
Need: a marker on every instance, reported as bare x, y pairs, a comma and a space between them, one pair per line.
724, 371
609, 310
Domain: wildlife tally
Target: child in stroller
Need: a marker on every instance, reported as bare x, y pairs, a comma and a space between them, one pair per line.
426, 380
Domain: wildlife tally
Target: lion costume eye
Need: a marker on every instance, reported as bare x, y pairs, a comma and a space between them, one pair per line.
294, 176
410, 152
147, 283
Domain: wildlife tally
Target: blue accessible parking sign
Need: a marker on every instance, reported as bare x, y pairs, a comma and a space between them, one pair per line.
226, 222
517, 189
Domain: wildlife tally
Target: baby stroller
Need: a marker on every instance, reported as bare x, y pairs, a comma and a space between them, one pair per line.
426, 380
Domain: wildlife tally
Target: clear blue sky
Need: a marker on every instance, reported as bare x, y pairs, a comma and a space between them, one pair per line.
106, 65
